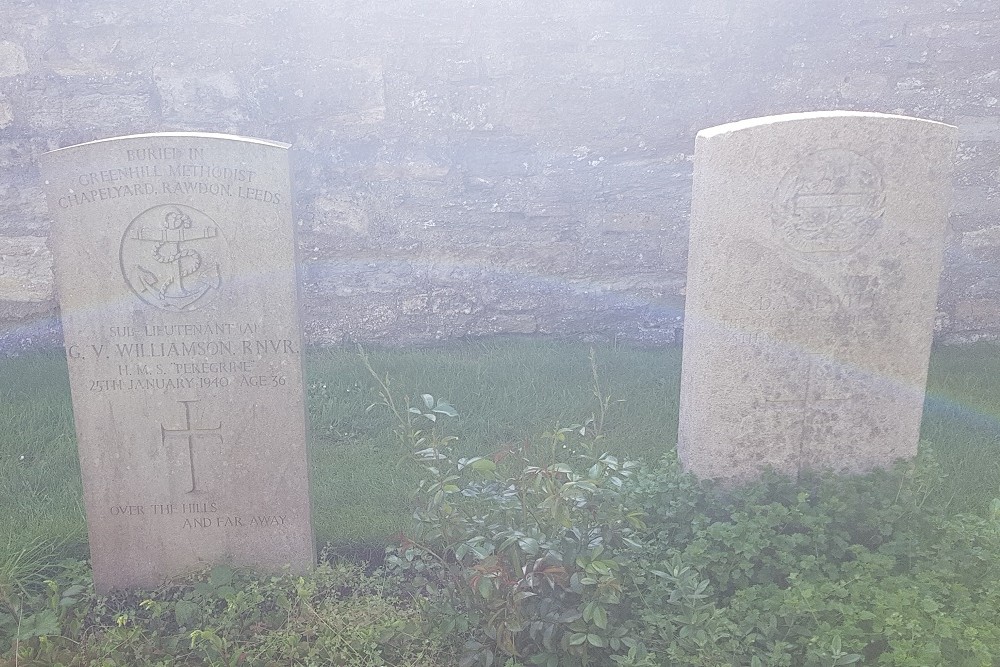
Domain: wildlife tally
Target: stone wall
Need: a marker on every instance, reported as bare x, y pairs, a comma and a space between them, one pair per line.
478, 167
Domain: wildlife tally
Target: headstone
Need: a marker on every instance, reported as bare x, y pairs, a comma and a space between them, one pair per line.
176, 276
815, 250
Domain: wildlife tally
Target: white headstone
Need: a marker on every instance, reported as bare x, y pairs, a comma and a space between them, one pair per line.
815, 250
176, 276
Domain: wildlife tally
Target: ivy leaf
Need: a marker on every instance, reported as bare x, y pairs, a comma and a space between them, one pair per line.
41, 624
485, 588
484, 465
445, 409
601, 617
185, 613
73, 591
221, 575
529, 545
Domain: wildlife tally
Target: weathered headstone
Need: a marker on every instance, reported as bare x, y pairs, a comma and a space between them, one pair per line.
176, 275
815, 250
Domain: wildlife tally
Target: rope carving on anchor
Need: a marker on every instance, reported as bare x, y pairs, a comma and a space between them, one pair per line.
176, 220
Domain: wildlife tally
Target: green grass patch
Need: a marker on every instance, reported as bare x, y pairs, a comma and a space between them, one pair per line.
962, 423
40, 488
506, 392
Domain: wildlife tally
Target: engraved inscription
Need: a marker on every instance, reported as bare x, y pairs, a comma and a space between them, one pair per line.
171, 171
190, 433
745, 338
822, 303
203, 515
161, 358
256, 521
173, 257
830, 202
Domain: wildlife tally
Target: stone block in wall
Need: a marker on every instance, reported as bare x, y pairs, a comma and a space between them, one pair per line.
6, 112
534, 261
975, 315
478, 156
442, 302
983, 243
25, 269
370, 318
19, 155
193, 99
978, 164
27, 326
629, 222
504, 324
971, 40
968, 88
975, 207
23, 211
607, 323
323, 93
339, 215
12, 60
978, 128
959, 30
534, 195
422, 105
864, 88
624, 178
581, 111
465, 230
85, 111
98, 53
513, 294
22, 208
355, 277
418, 180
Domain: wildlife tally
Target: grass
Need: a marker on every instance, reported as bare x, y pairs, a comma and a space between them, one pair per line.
505, 391
962, 423
40, 488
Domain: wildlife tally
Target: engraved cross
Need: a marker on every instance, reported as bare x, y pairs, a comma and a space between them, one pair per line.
190, 433
811, 398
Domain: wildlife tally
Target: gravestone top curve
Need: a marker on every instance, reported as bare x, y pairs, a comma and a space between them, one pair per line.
162, 135
765, 121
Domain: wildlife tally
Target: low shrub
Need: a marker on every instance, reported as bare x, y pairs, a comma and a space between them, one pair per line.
824, 571
555, 555
524, 559
336, 615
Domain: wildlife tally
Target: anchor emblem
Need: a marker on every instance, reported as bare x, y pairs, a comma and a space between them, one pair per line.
171, 257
